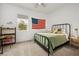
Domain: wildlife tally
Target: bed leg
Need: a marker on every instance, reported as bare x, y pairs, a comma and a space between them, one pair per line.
48, 48
48, 53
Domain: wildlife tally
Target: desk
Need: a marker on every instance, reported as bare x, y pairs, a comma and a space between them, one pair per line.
1, 44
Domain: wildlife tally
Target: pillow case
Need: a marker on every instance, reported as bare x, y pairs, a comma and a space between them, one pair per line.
57, 31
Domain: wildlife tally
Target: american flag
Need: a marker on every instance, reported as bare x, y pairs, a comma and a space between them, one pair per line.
38, 23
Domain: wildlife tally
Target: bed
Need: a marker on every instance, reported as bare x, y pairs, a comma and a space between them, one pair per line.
52, 40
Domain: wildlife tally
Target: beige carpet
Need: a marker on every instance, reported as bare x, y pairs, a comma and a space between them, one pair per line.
33, 49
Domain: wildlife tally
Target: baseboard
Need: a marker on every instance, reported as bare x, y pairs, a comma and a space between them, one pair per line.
24, 41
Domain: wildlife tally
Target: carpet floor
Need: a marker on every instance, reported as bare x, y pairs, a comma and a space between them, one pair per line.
33, 49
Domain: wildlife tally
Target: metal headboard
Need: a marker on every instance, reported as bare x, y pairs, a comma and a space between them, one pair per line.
65, 26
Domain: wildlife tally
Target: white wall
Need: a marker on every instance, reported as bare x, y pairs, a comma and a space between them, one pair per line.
9, 13
0, 14
66, 14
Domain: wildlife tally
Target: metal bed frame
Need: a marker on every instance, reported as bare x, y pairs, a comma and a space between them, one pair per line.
65, 26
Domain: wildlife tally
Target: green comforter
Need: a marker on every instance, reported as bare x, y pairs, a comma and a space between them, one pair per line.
55, 39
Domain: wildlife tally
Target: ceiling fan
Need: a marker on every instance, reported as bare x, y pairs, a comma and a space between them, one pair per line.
40, 5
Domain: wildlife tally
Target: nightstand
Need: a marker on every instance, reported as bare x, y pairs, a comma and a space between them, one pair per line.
74, 41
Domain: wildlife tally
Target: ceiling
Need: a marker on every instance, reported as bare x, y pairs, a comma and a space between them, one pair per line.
50, 7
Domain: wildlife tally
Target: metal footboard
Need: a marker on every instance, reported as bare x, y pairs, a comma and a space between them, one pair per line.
43, 41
